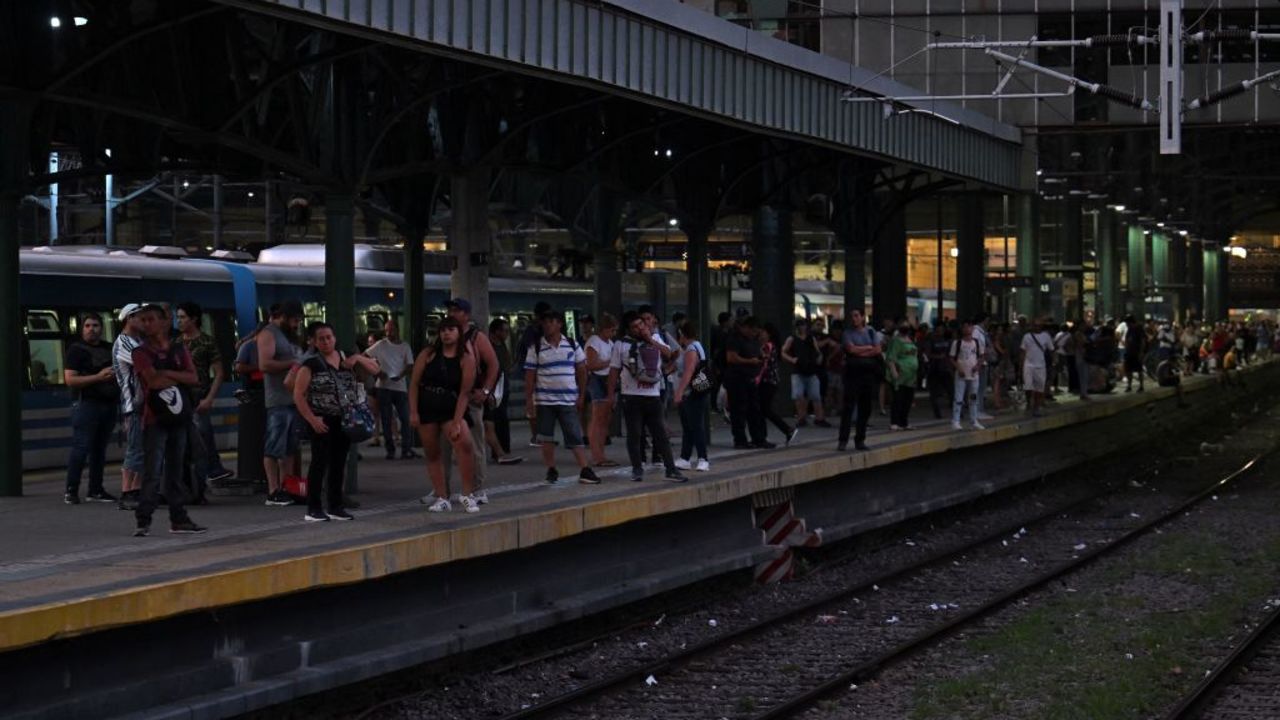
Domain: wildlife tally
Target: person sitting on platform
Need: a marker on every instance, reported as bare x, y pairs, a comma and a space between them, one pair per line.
555, 372
444, 374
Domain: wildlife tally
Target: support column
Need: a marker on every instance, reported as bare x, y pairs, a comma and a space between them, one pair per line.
854, 224
15, 126
1072, 247
1195, 282
413, 325
340, 287
1160, 275
216, 215
1028, 300
1137, 301
1224, 286
1212, 277
608, 279
773, 267
1108, 268
470, 239
699, 277
971, 262
889, 269
1178, 274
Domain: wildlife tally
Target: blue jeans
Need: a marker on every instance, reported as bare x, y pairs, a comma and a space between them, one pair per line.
693, 423
166, 449
91, 425
398, 402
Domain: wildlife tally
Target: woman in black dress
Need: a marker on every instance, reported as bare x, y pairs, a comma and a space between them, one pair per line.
443, 376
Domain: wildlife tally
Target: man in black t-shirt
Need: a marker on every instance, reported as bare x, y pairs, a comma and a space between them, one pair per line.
743, 361
89, 375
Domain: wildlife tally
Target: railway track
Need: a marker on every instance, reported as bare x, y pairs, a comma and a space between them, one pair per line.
781, 665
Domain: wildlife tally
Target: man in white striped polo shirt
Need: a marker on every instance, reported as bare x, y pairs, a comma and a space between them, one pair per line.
555, 375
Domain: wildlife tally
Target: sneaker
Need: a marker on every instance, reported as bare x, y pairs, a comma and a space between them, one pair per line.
409, 455
101, 496
956, 426
802, 422
71, 498
481, 497
315, 516
979, 426
223, 474
510, 460
676, 476
703, 466
340, 514
141, 530
588, 477
764, 445
742, 446
860, 446
822, 423
895, 428
469, 504
427, 499
186, 527
375, 442
553, 476
985, 416
279, 498
637, 474
533, 442
791, 437
440, 505
842, 447
683, 464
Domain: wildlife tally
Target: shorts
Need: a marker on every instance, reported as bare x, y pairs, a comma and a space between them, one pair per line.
567, 417
806, 387
1033, 379
135, 458
597, 388
283, 427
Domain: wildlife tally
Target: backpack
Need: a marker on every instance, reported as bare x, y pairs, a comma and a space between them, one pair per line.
171, 406
644, 362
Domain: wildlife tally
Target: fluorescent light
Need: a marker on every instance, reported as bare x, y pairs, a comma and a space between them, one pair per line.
1160, 224
673, 222
955, 252
1183, 233
80, 21
1119, 208
250, 193
55, 22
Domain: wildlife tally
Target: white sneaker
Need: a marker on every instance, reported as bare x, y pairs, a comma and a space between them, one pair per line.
978, 426
427, 499
956, 426
481, 498
703, 465
985, 416
683, 464
470, 504
440, 505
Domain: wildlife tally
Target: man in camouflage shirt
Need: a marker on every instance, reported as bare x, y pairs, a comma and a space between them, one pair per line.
208, 361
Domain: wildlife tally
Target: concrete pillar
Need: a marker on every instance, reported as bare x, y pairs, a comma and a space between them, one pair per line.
855, 277
340, 287
889, 269
15, 127
1195, 282
1137, 300
855, 228
773, 268
1160, 276
413, 325
1071, 244
608, 280
1028, 299
469, 240
1178, 274
699, 278
1213, 257
971, 262
1108, 267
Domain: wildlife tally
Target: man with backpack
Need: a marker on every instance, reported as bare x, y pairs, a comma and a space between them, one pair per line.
803, 353
965, 358
166, 375
636, 366
555, 376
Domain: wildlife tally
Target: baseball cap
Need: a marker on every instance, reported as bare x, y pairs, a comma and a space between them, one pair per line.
128, 310
461, 303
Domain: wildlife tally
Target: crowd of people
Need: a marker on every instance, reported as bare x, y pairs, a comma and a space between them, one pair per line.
452, 398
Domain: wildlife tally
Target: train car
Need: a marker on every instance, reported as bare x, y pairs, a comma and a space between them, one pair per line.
58, 285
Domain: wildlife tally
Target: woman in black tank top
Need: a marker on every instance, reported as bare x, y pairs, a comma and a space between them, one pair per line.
443, 376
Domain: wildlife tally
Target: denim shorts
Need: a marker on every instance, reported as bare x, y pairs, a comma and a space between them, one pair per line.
567, 417
597, 387
135, 458
283, 428
806, 386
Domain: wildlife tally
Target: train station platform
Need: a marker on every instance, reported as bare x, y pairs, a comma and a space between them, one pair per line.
536, 555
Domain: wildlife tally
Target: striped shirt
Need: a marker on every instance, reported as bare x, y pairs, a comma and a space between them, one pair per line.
122, 365
556, 368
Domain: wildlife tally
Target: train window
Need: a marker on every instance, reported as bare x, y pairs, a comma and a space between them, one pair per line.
43, 322
312, 312
45, 367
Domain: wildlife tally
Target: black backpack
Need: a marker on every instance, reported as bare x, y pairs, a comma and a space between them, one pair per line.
172, 406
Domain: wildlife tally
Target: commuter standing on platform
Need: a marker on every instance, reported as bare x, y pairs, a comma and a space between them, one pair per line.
1037, 354
323, 389
767, 380
529, 339
211, 374
478, 347
965, 357
940, 373
743, 360
395, 357
443, 375
1135, 347
863, 369
497, 426
90, 375
599, 358
636, 367
166, 375
989, 360
134, 462
692, 394
719, 337
555, 376
276, 357
803, 352
903, 366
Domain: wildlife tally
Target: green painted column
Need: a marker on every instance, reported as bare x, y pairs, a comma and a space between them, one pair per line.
1108, 259
413, 324
773, 268
1028, 299
1178, 274
1137, 300
1160, 276
971, 262
699, 278
15, 128
1195, 281
1212, 278
340, 287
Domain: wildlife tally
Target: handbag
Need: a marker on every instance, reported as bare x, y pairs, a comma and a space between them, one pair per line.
357, 419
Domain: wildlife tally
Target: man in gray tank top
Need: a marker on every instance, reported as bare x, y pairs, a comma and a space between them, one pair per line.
277, 353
